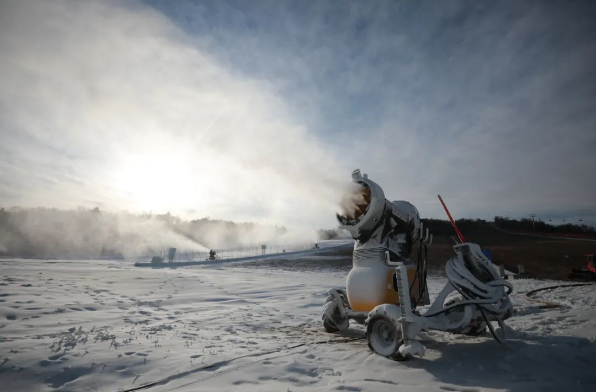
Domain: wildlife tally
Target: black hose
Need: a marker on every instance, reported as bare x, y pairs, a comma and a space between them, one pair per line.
490, 326
414, 305
553, 304
420, 274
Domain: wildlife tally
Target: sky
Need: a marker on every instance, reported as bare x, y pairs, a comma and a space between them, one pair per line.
260, 110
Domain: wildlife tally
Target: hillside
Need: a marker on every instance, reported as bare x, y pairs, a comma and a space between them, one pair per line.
544, 258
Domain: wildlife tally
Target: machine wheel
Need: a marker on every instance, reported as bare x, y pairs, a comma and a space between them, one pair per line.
384, 338
336, 322
476, 327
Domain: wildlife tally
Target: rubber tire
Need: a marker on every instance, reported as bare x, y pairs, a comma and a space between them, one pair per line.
475, 328
331, 326
479, 330
393, 352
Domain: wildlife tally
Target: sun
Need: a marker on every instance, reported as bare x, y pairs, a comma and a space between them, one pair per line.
155, 182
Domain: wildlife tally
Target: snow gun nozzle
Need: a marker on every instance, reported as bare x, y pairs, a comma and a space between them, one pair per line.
355, 202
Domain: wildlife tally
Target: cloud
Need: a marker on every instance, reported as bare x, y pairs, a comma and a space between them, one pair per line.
259, 111
110, 102
490, 104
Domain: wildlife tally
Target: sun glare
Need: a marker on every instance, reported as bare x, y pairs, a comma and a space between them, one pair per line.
157, 183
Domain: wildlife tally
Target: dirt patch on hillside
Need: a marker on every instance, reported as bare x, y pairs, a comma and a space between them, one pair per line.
542, 258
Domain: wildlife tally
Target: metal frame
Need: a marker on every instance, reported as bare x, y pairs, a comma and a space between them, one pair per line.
411, 324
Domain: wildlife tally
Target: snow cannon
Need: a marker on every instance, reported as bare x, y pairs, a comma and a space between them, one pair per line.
384, 234
386, 283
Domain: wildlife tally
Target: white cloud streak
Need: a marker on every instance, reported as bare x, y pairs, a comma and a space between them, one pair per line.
110, 104
490, 104
258, 112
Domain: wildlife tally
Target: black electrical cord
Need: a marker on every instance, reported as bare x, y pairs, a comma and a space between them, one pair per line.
489, 325
420, 274
423, 287
417, 273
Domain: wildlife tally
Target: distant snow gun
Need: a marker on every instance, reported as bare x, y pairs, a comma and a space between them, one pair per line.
385, 285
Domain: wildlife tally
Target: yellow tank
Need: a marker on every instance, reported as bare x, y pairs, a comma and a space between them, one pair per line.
371, 284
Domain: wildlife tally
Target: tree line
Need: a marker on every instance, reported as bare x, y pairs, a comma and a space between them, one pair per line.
540, 226
444, 227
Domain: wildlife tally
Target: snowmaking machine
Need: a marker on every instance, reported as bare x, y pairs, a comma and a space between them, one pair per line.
386, 285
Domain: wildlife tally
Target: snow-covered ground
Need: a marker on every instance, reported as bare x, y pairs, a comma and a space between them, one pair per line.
108, 326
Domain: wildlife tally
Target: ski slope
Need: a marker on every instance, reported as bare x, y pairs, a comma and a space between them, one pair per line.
108, 326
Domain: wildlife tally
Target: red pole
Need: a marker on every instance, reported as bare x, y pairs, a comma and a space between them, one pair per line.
590, 266
458, 233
